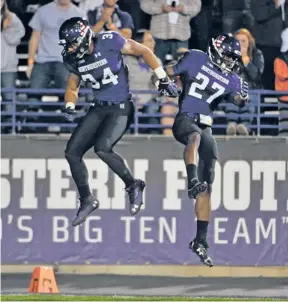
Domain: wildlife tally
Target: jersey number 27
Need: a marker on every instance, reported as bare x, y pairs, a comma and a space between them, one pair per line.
108, 77
219, 90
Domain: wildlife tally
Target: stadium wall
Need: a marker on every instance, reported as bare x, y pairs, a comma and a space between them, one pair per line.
248, 231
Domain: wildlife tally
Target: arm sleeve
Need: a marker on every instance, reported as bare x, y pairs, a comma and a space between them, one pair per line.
14, 32
181, 67
151, 7
35, 22
235, 86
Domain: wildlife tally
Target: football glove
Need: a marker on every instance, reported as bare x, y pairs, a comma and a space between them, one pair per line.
168, 88
70, 112
244, 90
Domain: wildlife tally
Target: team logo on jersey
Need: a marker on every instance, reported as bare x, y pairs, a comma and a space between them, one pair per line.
98, 54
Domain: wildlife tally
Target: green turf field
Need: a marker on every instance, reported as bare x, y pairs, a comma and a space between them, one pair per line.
119, 298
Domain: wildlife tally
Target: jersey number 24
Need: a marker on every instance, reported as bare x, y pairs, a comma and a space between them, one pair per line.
108, 77
219, 90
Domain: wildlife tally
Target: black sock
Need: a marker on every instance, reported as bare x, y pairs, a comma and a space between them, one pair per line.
84, 191
191, 171
202, 227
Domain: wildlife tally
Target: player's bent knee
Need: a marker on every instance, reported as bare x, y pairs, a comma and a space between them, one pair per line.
103, 149
71, 157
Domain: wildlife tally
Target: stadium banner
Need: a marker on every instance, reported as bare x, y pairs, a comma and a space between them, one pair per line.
249, 223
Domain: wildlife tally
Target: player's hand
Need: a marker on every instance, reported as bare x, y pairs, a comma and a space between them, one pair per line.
70, 114
244, 90
168, 88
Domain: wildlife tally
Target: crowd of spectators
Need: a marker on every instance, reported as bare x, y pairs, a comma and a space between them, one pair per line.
169, 28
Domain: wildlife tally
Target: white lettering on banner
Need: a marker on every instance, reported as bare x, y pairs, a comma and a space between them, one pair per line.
230, 200
98, 179
145, 229
235, 179
61, 232
97, 232
5, 184
170, 231
269, 169
241, 231
24, 228
218, 230
270, 230
60, 196
166, 229
127, 228
174, 184
29, 166
216, 189
262, 231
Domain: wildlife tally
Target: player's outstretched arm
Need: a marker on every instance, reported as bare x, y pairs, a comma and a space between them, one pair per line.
134, 48
131, 47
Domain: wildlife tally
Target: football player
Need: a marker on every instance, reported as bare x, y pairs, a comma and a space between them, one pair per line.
99, 60
207, 77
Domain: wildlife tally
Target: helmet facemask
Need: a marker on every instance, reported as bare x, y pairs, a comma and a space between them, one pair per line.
226, 61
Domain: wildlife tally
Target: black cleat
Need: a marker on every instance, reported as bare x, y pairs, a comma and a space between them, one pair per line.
200, 249
87, 206
135, 194
196, 187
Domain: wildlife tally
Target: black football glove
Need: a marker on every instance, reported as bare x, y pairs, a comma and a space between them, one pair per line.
70, 113
168, 88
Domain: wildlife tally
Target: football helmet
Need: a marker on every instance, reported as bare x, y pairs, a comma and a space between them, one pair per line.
75, 36
225, 52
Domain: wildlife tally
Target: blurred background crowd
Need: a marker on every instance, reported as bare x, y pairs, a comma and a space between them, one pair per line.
31, 56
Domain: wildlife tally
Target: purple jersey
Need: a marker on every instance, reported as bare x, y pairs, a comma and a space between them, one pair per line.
104, 68
204, 84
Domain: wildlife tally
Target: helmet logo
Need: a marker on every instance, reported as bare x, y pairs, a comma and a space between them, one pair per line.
219, 41
80, 27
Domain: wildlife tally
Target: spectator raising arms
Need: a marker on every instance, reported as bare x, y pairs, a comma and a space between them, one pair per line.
170, 23
110, 17
12, 30
253, 66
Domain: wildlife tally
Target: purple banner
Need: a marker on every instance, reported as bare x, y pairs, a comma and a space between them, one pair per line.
249, 224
